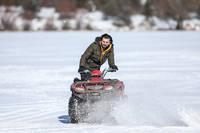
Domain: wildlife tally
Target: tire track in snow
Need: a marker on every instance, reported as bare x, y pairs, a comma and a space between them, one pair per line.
13, 113
28, 111
36, 116
28, 115
28, 104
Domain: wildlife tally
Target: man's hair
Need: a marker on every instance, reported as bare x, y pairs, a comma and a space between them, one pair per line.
107, 37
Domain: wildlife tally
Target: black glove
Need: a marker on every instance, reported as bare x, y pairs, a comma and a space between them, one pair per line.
114, 67
85, 75
81, 69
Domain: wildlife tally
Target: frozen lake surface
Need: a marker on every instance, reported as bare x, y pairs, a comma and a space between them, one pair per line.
161, 72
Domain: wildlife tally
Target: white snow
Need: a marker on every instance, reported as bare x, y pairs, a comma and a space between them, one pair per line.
38, 24
160, 24
2, 8
161, 72
48, 13
96, 21
19, 23
94, 16
193, 24
103, 25
143, 2
137, 20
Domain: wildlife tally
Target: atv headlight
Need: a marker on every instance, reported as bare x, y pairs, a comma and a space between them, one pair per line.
80, 89
108, 87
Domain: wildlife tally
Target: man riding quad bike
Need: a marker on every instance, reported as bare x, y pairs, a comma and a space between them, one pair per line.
92, 90
93, 100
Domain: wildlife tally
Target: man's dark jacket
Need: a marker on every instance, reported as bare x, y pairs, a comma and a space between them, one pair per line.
95, 55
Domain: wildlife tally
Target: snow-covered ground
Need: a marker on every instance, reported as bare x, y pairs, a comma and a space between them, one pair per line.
161, 72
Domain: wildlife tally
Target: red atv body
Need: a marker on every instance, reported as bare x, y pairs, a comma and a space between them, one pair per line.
87, 94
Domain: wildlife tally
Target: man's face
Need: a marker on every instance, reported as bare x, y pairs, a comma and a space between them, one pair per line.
105, 42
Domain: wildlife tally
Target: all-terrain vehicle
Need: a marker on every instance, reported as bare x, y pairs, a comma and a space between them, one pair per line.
94, 99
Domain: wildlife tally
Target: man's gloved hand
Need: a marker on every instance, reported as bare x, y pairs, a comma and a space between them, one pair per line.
85, 75
86, 71
114, 67
81, 69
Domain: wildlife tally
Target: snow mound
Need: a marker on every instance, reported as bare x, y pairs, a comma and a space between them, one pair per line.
48, 13
191, 118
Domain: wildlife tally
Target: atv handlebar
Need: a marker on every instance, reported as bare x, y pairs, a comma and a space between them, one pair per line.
85, 71
107, 70
104, 72
111, 70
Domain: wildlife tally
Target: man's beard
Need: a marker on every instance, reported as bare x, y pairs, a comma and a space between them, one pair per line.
104, 46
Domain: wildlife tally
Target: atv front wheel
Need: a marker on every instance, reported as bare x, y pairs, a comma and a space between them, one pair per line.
75, 110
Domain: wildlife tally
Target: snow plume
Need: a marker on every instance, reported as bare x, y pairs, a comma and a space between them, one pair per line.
147, 112
123, 113
100, 113
190, 117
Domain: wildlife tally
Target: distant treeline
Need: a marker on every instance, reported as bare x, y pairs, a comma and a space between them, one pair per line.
177, 9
